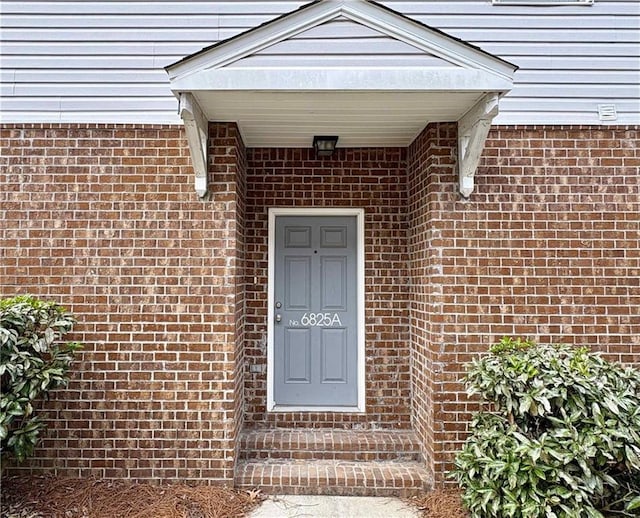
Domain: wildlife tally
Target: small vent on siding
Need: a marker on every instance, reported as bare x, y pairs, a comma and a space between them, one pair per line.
607, 112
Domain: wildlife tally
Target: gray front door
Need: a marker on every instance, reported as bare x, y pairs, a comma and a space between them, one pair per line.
315, 328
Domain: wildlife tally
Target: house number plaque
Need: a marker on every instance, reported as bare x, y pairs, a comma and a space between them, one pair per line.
317, 320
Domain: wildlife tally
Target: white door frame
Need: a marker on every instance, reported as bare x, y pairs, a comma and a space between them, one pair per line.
359, 214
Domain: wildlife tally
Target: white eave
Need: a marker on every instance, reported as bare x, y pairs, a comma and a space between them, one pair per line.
367, 106
365, 79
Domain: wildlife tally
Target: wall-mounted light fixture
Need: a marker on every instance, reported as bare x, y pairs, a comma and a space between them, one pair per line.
324, 146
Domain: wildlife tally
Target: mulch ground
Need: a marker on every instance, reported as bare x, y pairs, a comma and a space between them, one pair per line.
441, 504
52, 497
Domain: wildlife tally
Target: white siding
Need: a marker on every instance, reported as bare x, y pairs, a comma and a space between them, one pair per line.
341, 43
102, 60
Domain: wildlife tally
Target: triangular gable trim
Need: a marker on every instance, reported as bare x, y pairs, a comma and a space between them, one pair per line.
367, 13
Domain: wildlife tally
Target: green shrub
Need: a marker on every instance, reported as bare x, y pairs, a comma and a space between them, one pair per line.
561, 439
32, 362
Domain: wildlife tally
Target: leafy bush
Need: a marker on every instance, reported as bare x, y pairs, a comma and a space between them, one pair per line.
32, 362
562, 438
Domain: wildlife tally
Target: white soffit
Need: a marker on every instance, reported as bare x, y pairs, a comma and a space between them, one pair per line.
361, 119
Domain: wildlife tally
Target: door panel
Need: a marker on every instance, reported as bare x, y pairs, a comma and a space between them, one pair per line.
297, 356
333, 284
297, 280
334, 346
315, 328
298, 237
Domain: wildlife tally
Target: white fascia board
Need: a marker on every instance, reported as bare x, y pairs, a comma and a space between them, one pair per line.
260, 38
336, 79
423, 38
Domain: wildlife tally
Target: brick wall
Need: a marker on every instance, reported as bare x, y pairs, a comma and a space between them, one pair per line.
373, 179
104, 220
547, 247
227, 183
431, 163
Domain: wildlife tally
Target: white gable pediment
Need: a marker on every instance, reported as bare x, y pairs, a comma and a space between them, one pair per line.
339, 28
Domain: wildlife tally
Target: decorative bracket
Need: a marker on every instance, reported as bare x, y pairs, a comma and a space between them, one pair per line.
473, 129
196, 126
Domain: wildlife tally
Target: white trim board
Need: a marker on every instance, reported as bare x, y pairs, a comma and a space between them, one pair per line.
433, 79
359, 214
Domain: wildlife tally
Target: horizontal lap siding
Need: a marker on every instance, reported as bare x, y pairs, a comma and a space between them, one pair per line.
102, 61
343, 43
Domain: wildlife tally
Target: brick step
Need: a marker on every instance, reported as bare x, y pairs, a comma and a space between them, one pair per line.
347, 445
333, 477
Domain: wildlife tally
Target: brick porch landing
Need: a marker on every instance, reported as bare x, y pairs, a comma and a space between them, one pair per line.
331, 462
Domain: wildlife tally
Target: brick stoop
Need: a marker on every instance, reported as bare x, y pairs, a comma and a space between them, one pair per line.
331, 462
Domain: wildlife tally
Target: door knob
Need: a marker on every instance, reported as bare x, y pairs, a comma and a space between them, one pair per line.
278, 317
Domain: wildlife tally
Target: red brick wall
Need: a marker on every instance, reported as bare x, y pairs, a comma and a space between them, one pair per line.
227, 183
547, 247
104, 219
373, 179
431, 163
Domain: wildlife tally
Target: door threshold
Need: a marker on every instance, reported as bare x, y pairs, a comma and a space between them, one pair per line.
341, 409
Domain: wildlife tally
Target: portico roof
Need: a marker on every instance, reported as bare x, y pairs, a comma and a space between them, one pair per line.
352, 68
